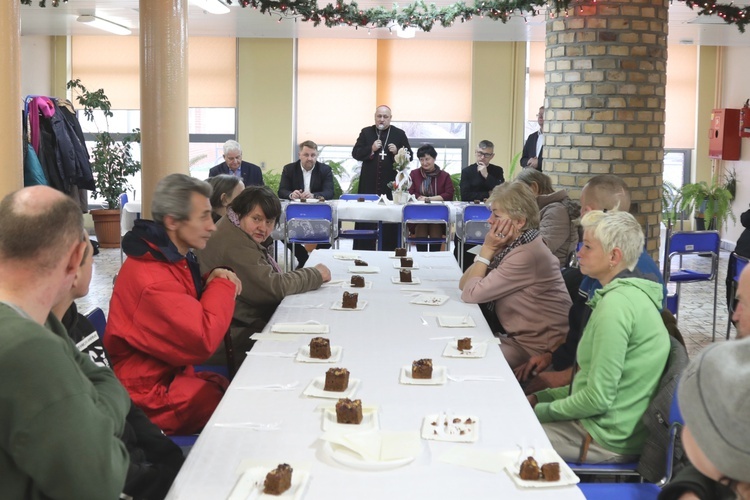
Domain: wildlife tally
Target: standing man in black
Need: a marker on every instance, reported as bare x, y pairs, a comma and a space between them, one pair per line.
532, 151
375, 148
250, 173
303, 179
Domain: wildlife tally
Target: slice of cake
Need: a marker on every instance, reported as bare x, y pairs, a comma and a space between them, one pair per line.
348, 411
320, 348
358, 281
464, 344
529, 470
407, 262
551, 471
349, 301
422, 369
358, 262
477, 202
278, 480
303, 200
337, 380
400, 252
361, 199
404, 276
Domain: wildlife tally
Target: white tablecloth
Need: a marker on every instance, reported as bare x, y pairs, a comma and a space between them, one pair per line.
377, 341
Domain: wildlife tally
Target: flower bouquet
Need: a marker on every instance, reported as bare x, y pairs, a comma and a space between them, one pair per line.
401, 160
400, 186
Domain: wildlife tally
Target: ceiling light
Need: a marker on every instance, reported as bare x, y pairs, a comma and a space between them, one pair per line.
103, 24
211, 6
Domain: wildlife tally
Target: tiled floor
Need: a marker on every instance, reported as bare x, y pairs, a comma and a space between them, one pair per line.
696, 303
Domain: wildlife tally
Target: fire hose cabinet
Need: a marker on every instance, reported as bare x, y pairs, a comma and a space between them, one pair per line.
723, 134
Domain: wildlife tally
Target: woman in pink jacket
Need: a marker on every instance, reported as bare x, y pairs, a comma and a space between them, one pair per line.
429, 183
517, 279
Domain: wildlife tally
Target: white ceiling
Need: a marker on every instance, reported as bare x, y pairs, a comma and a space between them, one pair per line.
246, 22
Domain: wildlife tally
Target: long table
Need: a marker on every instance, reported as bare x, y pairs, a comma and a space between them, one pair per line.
387, 334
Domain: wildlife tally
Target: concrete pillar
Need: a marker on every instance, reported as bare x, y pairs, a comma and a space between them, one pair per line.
10, 98
164, 93
605, 80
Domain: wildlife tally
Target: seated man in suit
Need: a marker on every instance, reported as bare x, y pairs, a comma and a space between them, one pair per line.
533, 155
303, 179
250, 173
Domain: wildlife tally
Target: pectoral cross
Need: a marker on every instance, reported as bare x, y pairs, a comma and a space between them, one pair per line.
382, 153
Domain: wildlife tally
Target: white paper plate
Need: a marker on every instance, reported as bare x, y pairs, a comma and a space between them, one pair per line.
567, 476
452, 431
478, 350
348, 284
250, 485
346, 457
439, 376
303, 355
408, 254
369, 422
337, 306
397, 281
346, 256
364, 269
430, 300
298, 328
397, 265
309, 200
456, 321
315, 389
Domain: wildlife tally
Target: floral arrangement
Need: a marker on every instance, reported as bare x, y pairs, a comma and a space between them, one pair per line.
401, 160
396, 186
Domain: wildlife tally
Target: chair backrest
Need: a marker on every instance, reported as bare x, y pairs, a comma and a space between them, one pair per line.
426, 212
476, 212
315, 220
319, 211
694, 242
356, 196
739, 266
98, 319
122, 200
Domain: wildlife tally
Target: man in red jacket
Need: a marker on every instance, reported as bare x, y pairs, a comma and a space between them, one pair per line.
164, 317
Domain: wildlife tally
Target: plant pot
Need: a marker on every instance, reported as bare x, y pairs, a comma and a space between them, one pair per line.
400, 197
107, 227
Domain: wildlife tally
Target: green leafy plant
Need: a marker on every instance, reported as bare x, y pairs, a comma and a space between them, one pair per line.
712, 202
456, 180
669, 193
513, 165
111, 160
338, 170
730, 182
272, 180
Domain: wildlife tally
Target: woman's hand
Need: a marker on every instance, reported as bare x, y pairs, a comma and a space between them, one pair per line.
501, 233
533, 400
226, 274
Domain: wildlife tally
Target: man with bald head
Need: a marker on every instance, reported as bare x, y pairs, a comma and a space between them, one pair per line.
376, 147
61, 416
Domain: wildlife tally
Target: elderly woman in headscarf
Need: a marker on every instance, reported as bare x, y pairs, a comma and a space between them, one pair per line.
517, 279
430, 183
557, 214
241, 242
621, 355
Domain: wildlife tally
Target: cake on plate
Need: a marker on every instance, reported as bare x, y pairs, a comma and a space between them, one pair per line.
358, 281
349, 301
358, 262
337, 380
320, 348
407, 262
361, 199
404, 276
551, 471
529, 470
278, 480
464, 344
400, 252
422, 369
348, 411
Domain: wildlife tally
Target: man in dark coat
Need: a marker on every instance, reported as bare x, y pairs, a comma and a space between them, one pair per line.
533, 155
306, 178
250, 173
376, 147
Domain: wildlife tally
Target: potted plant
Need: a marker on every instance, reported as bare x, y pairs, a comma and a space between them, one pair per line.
111, 161
712, 202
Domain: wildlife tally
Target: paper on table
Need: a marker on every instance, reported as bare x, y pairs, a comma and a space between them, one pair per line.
378, 445
365, 444
395, 445
485, 460
346, 256
279, 337
308, 327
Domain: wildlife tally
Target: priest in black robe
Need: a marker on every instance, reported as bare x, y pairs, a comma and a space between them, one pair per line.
376, 148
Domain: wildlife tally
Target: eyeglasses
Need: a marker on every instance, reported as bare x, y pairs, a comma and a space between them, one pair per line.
484, 155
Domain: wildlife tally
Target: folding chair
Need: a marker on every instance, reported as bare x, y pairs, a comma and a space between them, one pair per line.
428, 213
308, 223
619, 491
473, 229
738, 263
360, 234
682, 243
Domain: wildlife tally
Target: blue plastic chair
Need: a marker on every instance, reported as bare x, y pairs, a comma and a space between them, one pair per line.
98, 319
307, 223
619, 491
360, 234
682, 243
428, 213
739, 265
475, 228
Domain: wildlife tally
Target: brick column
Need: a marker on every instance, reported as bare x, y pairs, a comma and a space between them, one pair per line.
605, 78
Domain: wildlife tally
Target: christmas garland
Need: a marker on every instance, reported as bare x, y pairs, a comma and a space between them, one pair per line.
425, 16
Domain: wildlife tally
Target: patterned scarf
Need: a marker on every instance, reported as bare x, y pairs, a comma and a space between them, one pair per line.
525, 237
234, 219
426, 189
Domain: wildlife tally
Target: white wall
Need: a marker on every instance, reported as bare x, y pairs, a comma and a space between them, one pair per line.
36, 65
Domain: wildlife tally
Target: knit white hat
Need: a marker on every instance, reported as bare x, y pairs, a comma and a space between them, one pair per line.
714, 397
